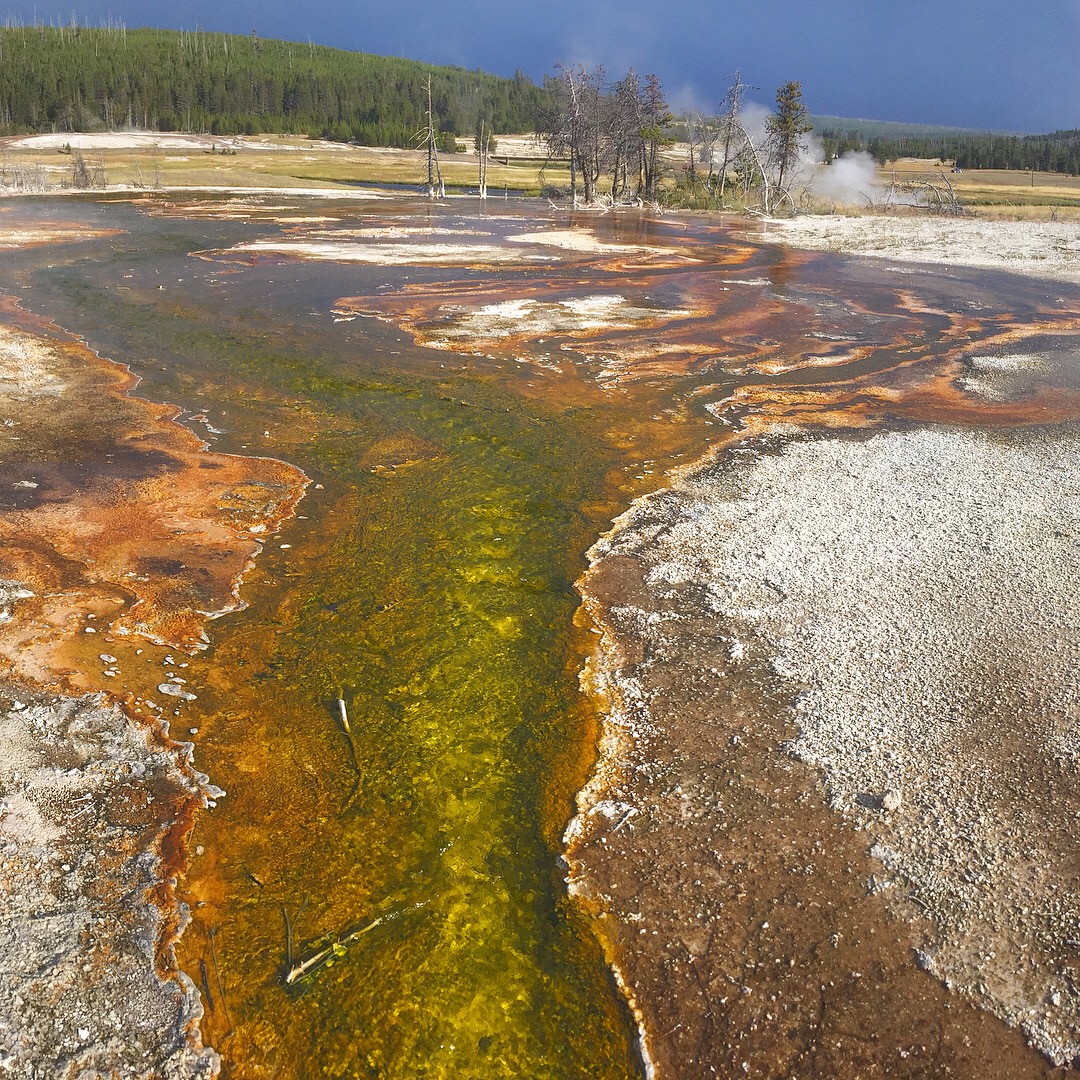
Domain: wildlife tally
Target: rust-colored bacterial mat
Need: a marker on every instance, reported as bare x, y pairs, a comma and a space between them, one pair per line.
403, 427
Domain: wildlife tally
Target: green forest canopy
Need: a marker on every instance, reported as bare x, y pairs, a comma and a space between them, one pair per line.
74, 78
887, 141
90, 79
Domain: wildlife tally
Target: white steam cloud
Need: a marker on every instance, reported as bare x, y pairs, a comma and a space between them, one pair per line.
752, 116
851, 178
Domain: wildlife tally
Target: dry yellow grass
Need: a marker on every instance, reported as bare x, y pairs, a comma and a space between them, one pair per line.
279, 162
291, 162
997, 192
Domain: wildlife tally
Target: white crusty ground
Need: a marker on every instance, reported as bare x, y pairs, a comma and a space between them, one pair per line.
995, 377
80, 998
1047, 249
163, 140
582, 240
386, 254
540, 318
920, 594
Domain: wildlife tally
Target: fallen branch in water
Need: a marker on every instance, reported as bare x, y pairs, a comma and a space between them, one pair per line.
326, 956
288, 936
205, 977
211, 934
343, 717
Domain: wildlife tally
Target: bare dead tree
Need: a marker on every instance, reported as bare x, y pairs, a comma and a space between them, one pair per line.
428, 136
656, 117
483, 152
702, 134
936, 194
80, 174
627, 147
616, 130
754, 167
574, 126
30, 179
557, 126
731, 129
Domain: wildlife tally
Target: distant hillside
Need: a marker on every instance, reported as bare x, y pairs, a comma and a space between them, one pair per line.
968, 148
88, 79
894, 129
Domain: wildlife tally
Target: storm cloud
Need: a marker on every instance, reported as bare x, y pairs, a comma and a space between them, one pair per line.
991, 64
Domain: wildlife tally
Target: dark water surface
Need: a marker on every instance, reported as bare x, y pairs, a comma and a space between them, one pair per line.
428, 583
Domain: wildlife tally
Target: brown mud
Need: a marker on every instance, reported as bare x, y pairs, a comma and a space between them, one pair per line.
740, 908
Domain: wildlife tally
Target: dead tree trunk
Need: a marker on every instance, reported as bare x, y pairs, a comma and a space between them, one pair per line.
430, 138
484, 148
732, 126
755, 155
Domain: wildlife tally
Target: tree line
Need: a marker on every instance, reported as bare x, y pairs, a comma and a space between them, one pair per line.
76, 78
1057, 152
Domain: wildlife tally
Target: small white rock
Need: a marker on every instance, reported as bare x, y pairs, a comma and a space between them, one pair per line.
172, 690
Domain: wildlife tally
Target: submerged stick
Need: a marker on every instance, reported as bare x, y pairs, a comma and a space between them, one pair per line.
205, 978
288, 936
323, 957
343, 717
319, 959
211, 934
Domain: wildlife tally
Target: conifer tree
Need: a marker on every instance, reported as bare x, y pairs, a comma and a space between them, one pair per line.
786, 128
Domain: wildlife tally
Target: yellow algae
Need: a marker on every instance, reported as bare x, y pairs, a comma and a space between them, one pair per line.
426, 593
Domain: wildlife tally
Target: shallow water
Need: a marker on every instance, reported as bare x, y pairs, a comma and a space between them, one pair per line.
428, 583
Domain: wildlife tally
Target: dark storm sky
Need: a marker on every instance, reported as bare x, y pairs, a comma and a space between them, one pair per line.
992, 64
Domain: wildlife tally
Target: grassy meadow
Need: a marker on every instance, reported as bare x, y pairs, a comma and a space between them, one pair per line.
519, 166
268, 161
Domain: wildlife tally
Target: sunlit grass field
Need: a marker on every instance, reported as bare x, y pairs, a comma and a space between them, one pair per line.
282, 162
994, 192
519, 166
